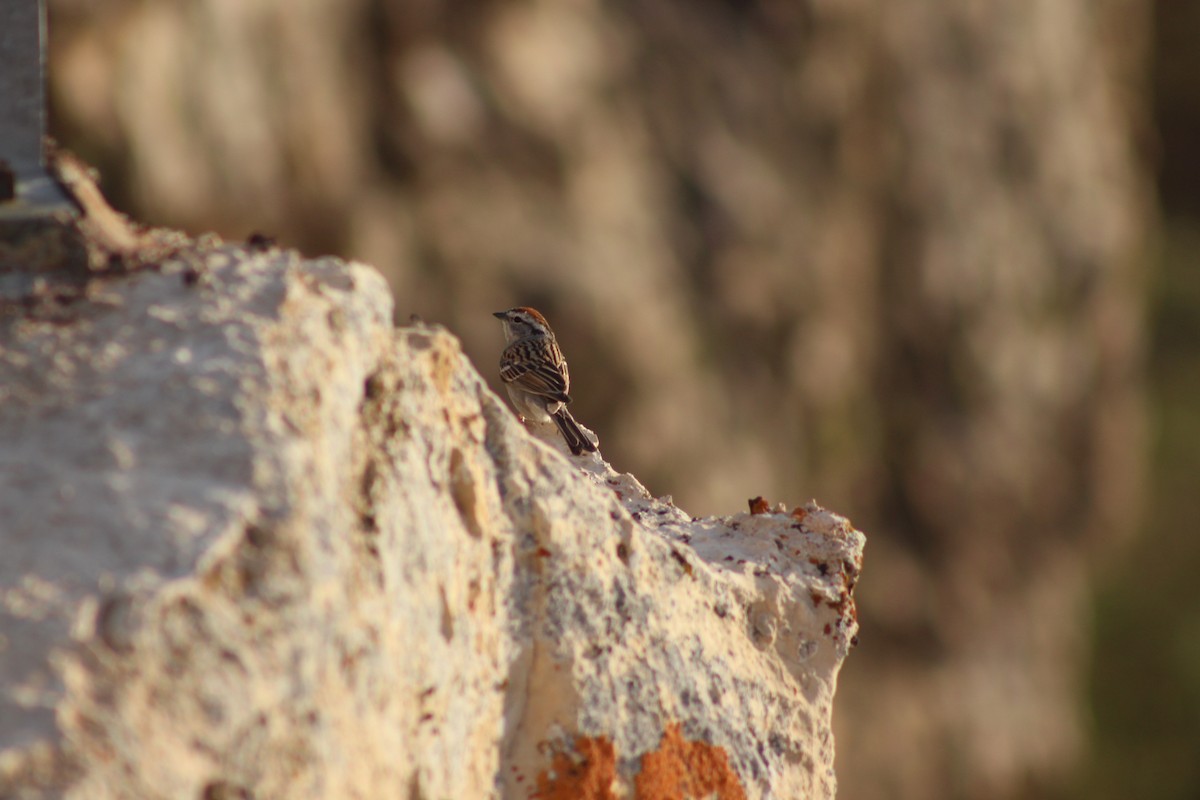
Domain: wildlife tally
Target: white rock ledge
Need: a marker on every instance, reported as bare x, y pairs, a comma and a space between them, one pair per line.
258, 543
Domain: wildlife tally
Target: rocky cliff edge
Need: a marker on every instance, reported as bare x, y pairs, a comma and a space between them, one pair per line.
259, 543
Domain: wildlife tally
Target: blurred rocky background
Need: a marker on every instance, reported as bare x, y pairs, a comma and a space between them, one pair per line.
894, 256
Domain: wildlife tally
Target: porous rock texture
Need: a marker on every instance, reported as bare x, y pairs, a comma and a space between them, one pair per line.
258, 543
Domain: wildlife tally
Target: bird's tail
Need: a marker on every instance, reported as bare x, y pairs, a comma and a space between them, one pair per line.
569, 428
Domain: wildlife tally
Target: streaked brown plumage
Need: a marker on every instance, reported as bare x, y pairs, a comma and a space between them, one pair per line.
535, 374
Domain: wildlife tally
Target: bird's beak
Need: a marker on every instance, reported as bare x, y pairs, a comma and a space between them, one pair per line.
499, 314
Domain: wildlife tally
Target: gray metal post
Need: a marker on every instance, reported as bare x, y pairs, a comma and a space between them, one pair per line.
26, 189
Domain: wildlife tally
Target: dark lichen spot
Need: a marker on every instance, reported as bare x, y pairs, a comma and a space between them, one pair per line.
224, 790
682, 560
259, 242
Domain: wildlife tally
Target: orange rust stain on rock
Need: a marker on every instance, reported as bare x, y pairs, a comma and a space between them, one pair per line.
681, 769
589, 779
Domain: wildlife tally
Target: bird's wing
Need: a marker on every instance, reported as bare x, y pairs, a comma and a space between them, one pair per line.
543, 377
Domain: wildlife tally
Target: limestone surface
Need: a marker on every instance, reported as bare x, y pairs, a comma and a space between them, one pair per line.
255, 542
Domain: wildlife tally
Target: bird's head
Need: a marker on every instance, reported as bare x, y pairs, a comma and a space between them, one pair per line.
522, 321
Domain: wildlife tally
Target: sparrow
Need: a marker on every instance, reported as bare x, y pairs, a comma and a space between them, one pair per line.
535, 374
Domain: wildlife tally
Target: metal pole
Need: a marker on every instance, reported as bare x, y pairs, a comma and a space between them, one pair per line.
26, 189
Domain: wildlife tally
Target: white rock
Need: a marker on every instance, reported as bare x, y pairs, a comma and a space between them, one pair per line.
318, 558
